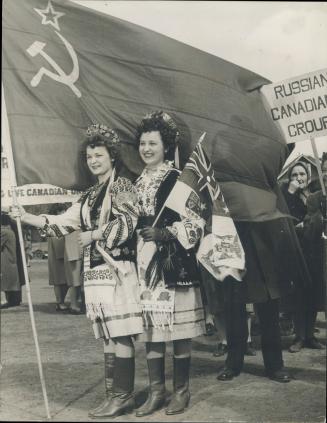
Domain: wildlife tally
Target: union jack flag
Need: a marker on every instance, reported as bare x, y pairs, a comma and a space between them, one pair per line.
201, 166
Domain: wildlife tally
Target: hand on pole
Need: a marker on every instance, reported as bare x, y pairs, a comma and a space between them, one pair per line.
155, 234
17, 211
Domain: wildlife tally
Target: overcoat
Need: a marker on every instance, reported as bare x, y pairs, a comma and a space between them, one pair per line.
313, 247
9, 267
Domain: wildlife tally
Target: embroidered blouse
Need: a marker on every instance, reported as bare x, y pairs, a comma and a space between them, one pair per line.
189, 230
174, 258
119, 221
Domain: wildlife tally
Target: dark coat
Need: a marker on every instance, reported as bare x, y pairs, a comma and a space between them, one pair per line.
275, 265
273, 258
302, 297
9, 267
56, 267
313, 248
274, 262
295, 205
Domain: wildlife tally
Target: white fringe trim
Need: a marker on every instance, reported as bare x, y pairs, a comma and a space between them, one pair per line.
95, 311
159, 319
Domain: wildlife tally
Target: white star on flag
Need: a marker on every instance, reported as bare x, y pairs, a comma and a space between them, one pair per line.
50, 16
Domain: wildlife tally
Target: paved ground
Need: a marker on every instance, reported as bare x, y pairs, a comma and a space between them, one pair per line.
73, 368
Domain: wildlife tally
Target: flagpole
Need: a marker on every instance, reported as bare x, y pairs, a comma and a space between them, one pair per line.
315, 153
324, 209
7, 143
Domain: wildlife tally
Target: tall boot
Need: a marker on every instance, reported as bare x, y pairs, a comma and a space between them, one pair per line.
109, 365
122, 400
157, 391
181, 396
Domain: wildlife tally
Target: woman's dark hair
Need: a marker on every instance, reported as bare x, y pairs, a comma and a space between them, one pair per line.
101, 141
290, 170
162, 122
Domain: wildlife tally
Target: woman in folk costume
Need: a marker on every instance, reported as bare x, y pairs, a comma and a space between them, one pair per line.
107, 215
168, 273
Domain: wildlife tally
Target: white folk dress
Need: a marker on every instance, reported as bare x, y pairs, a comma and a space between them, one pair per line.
109, 271
187, 310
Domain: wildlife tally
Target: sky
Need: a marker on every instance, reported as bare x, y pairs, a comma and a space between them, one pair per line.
277, 40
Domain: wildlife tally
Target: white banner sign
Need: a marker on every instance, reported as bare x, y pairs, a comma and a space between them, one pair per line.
299, 105
33, 193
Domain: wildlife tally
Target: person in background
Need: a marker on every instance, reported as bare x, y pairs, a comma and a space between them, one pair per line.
12, 273
73, 268
27, 235
296, 192
107, 215
208, 316
274, 263
215, 299
314, 226
168, 272
56, 264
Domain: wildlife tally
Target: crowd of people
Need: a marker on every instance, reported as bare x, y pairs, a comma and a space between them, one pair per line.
142, 282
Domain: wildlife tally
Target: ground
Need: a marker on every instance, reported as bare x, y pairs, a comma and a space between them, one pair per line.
73, 369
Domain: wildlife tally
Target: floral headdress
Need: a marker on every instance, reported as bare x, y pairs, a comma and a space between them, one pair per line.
97, 129
159, 120
159, 114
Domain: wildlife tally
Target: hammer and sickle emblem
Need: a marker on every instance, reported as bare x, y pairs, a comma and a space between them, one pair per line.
38, 48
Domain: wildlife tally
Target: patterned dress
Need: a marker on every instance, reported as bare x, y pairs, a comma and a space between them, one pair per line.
187, 316
109, 271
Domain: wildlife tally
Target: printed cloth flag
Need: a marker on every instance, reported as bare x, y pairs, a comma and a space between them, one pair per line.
65, 66
197, 196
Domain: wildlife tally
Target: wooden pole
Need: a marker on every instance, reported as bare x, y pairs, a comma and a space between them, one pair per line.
315, 153
324, 210
7, 144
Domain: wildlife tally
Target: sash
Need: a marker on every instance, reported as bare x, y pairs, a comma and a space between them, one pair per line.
157, 302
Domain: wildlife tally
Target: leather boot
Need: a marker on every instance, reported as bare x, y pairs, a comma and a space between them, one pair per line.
121, 400
157, 391
181, 396
109, 365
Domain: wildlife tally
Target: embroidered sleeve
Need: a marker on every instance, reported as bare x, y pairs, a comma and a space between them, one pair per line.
125, 212
63, 224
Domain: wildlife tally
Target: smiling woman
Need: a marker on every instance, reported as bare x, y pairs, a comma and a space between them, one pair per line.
168, 274
107, 215
99, 162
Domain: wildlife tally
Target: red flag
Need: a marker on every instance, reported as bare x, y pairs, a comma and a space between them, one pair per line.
65, 66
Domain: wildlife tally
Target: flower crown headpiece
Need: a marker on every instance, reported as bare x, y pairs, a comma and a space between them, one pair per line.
166, 118
97, 129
